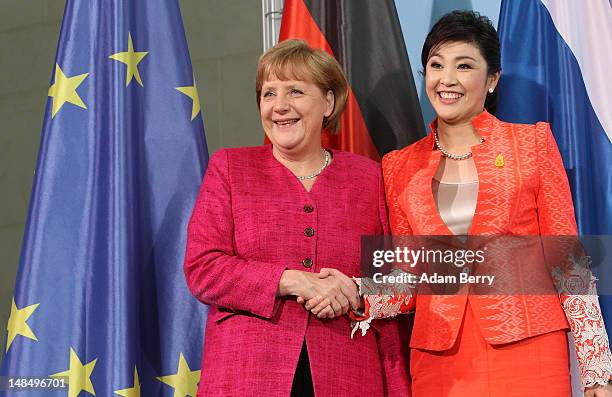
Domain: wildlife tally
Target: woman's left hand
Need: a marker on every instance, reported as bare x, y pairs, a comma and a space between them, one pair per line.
598, 391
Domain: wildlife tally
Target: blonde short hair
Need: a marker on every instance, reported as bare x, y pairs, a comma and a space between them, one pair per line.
295, 60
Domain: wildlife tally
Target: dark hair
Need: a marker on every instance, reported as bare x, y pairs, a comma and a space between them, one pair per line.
467, 27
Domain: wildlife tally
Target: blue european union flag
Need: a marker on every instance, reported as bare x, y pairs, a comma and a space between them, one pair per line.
100, 296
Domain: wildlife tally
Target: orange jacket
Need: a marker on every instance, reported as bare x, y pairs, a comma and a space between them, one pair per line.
523, 190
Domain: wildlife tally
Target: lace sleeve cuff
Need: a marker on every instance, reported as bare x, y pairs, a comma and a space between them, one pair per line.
578, 293
380, 301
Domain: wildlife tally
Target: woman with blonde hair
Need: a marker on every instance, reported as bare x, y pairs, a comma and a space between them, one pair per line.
266, 221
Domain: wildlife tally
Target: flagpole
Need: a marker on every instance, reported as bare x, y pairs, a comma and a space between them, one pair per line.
272, 13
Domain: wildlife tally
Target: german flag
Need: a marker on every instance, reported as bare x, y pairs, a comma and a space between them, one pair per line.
383, 111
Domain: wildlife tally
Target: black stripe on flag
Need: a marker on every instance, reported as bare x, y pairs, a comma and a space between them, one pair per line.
367, 40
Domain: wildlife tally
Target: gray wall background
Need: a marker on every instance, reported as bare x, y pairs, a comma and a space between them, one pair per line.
225, 41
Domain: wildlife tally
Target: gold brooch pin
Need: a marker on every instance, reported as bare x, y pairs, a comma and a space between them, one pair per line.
499, 161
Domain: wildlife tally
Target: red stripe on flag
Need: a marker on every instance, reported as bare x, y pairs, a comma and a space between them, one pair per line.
354, 135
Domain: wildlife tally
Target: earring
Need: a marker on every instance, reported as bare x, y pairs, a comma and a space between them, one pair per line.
490, 90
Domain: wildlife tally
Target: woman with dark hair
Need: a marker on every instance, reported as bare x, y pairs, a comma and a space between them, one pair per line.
267, 219
477, 175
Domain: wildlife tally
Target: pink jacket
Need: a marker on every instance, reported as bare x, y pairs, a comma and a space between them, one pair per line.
252, 220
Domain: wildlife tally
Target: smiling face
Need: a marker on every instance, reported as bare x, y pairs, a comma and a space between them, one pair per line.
292, 113
457, 82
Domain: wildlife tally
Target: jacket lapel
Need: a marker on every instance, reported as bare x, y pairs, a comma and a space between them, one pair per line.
495, 162
417, 198
498, 186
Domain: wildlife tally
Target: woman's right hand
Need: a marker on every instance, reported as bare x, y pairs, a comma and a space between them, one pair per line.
335, 295
333, 291
347, 284
321, 306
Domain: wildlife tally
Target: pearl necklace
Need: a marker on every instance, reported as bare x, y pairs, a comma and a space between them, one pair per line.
450, 155
317, 173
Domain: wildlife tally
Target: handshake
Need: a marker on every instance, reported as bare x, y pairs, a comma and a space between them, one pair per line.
327, 294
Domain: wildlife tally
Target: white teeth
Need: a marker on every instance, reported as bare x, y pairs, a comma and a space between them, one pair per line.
285, 122
450, 95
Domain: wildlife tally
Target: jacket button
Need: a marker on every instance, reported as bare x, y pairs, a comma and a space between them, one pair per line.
308, 208
309, 232
307, 262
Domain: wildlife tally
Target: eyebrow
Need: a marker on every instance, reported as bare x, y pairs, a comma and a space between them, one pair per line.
465, 57
289, 87
459, 58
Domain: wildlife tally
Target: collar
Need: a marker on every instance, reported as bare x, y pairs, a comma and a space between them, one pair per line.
481, 123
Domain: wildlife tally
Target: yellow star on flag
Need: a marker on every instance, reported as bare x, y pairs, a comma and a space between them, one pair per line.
131, 58
17, 324
64, 90
132, 391
192, 92
185, 381
79, 375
